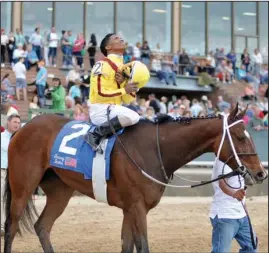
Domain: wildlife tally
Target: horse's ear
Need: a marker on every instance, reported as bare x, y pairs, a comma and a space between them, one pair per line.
234, 112
242, 114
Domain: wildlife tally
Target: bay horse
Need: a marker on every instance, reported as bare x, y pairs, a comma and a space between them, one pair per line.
128, 189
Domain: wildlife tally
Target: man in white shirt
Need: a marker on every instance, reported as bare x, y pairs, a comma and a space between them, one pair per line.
163, 105
20, 73
137, 52
18, 52
53, 43
156, 67
227, 215
196, 108
13, 125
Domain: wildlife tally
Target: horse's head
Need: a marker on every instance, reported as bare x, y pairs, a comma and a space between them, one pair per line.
239, 151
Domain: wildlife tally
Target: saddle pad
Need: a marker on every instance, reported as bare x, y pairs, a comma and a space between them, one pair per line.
71, 152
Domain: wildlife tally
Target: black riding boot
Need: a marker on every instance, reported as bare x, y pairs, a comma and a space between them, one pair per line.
101, 132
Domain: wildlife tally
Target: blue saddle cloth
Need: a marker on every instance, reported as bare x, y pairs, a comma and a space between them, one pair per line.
71, 152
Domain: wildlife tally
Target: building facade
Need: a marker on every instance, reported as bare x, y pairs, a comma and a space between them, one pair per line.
196, 26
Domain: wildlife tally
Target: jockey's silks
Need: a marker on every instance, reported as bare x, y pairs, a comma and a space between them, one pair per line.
104, 88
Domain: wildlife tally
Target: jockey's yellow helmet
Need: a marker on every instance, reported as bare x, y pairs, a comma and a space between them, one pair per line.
137, 72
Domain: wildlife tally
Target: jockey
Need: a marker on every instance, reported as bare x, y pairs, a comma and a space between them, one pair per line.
109, 87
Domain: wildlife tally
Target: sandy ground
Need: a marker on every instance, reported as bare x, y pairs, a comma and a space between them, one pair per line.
177, 224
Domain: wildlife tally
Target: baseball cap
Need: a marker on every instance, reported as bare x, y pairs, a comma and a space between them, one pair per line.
204, 97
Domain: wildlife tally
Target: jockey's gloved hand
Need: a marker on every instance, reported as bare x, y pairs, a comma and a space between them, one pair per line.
126, 70
131, 87
120, 78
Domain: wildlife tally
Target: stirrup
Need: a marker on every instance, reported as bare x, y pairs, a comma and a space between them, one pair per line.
99, 148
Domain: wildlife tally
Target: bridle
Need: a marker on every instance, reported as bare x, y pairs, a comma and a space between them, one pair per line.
240, 171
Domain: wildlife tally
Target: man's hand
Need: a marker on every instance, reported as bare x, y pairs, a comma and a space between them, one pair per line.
239, 195
119, 78
131, 87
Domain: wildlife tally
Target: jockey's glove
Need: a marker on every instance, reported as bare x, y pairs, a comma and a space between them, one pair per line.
126, 70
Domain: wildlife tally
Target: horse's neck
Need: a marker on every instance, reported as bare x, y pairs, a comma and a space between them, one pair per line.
181, 144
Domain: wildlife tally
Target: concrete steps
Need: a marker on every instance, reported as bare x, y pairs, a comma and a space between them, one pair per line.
23, 109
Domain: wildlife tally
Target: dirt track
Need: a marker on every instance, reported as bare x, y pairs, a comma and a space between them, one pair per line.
175, 225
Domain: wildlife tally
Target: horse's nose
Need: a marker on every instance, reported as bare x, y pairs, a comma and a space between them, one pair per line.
260, 176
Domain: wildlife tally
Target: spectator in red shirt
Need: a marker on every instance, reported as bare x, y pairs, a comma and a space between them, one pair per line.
78, 48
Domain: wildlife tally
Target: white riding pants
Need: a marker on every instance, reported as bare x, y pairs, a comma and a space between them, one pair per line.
3, 177
126, 116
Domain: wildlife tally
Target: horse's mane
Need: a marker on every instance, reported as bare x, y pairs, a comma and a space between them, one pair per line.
165, 118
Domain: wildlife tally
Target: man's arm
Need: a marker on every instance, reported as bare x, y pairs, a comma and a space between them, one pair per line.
237, 194
41, 78
57, 96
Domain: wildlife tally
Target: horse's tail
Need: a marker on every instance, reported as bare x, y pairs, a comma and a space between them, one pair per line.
28, 218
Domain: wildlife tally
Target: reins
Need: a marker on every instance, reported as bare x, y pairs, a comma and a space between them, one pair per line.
160, 155
254, 239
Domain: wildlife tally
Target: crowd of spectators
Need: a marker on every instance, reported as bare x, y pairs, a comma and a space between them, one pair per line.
217, 66
256, 115
40, 51
44, 46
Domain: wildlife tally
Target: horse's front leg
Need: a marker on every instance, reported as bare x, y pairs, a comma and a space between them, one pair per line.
127, 241
139, 227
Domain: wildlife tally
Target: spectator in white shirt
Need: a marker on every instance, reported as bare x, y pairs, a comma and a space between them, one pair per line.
137, 52
156, 67
227, 215
212, 63
163, 105
168, 72
53, 44
4, 41
196, 108
20, 73
18, 53
36, 41
258, 61
13, 125
72, 76
158, 49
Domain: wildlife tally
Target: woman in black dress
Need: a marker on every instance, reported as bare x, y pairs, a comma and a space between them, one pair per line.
11, 46
92, 49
